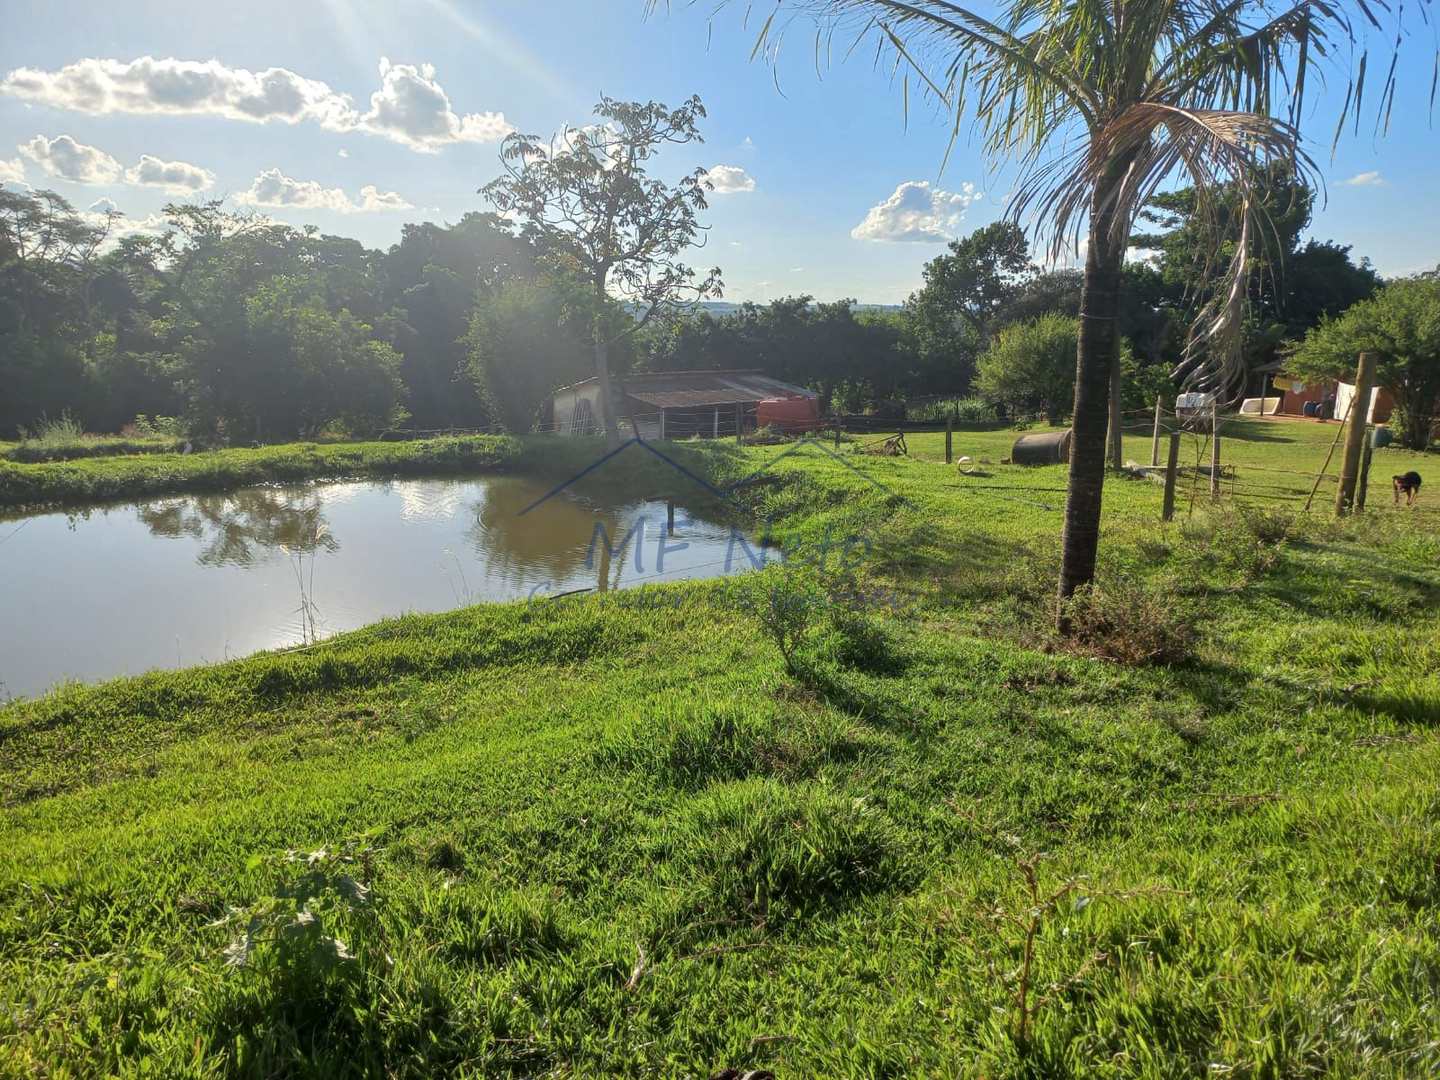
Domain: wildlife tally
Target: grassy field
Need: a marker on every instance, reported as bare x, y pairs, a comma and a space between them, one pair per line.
618, 835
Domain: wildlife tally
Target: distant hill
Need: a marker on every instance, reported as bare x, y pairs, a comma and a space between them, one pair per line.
719, 308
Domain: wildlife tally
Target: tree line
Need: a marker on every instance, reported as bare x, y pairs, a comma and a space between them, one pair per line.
248, 329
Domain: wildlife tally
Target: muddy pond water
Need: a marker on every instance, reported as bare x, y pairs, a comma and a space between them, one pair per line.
188, 579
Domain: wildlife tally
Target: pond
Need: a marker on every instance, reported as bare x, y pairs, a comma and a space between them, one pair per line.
189, 579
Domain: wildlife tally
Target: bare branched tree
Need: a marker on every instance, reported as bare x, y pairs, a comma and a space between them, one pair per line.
587, 202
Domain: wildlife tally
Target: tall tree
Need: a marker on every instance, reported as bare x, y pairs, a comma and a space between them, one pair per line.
1401, 325
49, 265
1289, 286
527, 338
950, 317
1101, 102
588, 203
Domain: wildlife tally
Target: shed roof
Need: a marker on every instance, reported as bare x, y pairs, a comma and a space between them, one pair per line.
694, 389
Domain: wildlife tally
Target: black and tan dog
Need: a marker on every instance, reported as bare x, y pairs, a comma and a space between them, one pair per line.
1407, 484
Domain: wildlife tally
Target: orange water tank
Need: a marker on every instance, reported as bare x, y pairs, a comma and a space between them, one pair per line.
799, 413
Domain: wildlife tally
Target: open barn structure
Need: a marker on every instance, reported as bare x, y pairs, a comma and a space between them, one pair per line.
685, 404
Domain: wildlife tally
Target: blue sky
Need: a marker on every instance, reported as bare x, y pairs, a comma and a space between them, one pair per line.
820, 162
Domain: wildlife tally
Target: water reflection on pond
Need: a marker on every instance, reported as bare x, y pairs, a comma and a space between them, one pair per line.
190, 579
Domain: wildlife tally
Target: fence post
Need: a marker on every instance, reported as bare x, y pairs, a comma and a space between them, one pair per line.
1155, 436
949, 436
1214, 449
1364, 481
1355, 434
1168, 510
1117, 437
839, 423
739, 422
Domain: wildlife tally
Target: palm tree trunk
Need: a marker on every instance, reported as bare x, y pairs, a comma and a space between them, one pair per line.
1097, 352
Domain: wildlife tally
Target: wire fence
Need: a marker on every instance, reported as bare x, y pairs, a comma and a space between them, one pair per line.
1239, 481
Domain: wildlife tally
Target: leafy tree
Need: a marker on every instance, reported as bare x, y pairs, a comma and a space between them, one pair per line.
1030, 366
49, 261
1289, 286
1401, 325
950, 317
589, 205
526, 339
322, 368
1102, 104
428, 284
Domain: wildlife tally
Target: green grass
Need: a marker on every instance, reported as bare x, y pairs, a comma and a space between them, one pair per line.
127, 476
611, 836
36, 451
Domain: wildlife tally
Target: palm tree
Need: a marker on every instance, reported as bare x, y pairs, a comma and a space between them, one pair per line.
1099, 103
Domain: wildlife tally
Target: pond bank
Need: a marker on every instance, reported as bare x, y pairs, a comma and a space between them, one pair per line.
52, 484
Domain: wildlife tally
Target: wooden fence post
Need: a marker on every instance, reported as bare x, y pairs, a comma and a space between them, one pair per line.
1355, 434
1168, 511
1117, 437
1214, 449
1155, 436
739, 422
1364, 481
839, 423
949, 436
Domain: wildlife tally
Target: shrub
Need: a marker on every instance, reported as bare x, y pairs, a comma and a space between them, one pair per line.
968, 410
316, 895
808, 615
1125, 621
1270, 527
767, 851
58, 432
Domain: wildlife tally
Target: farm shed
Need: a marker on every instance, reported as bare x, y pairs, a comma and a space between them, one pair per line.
1296, 394
676, 404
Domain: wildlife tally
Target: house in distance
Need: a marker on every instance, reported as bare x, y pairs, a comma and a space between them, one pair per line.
682, 404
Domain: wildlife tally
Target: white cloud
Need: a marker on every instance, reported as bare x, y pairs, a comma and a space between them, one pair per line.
372, 199
1365, 179
342, 152
410, 106
729, 179
99, 214
274, 188
69, 160
12, 171
747, 143
182, 87
917, 213
176, 177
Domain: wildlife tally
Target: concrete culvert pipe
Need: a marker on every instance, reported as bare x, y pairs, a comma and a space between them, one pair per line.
1047, 448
